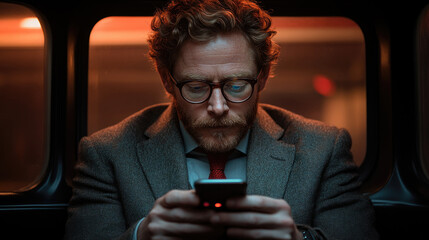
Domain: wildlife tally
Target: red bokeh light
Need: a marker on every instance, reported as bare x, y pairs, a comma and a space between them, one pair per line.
323, 85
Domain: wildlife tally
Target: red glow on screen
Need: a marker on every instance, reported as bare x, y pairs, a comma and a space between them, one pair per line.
206, 204
323, 85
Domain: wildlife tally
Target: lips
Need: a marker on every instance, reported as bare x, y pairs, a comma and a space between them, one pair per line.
219, 123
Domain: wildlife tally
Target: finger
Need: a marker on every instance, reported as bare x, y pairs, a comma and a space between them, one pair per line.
243, 233
280, 220
179, 198
258, 204
188, 215
161, 228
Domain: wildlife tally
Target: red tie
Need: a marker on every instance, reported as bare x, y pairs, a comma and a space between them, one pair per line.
217, 166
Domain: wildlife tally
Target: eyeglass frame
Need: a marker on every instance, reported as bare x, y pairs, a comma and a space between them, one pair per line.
179, 85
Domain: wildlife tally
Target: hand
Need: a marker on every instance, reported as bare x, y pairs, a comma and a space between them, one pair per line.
257, 217
176, 216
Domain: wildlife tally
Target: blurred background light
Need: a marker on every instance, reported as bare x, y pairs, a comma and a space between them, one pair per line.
323, 85
30, 23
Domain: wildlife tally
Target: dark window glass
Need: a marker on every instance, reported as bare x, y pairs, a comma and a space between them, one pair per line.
22, 99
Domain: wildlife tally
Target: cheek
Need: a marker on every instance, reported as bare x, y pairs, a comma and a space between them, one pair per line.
188, 112
243, 109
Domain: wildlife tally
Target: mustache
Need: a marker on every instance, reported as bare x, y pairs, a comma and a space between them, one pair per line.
219, 123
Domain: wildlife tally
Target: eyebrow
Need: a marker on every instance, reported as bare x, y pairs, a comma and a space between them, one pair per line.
196, 77
192, 76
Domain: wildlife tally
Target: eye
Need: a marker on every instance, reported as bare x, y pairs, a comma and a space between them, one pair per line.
196, 87
235, 86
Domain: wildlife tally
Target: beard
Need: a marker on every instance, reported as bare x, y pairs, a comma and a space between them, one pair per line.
217, 135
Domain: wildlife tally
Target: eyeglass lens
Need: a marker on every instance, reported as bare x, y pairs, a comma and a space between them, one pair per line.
235, 90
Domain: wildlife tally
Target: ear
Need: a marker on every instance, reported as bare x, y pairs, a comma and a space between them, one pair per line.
263, 77
166, 81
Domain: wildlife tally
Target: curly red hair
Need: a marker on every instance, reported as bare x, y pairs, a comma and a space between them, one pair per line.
202, 20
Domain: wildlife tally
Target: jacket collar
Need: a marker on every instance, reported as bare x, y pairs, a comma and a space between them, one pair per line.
269, 160
269, 163
162, 155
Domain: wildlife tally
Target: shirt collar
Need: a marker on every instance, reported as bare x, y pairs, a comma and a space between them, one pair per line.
191, 145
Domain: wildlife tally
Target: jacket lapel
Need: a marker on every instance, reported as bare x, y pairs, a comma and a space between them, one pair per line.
269, 161
163, 159
162, 156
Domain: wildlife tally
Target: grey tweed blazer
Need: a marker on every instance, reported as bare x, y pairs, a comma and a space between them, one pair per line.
123, 169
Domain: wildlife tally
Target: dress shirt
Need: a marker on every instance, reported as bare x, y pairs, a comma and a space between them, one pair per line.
198, 164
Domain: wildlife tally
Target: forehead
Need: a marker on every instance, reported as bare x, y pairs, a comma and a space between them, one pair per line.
223, 55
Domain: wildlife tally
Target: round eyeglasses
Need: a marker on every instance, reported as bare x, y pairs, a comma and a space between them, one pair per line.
236, 90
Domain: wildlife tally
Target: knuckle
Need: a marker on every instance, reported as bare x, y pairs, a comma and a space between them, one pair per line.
173, 193
262, 201
155, 213
178, 215
258, 202
285, 221
284, 205
158, 201
170, 197
153, 229
256, 235
254, 220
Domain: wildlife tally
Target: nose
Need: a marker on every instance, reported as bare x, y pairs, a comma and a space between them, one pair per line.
217, 104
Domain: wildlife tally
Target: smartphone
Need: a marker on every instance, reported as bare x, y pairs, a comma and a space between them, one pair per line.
213, 193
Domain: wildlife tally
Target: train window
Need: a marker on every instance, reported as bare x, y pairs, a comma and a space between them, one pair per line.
121, 79
320, 74
423, 51
22, 99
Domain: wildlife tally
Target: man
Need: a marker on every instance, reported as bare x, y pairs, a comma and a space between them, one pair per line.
134, 180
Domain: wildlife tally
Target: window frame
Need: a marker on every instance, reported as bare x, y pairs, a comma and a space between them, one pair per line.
422, 171
47, 191
41, 209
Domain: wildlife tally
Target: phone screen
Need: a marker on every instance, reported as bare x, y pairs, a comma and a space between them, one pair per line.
213, 193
